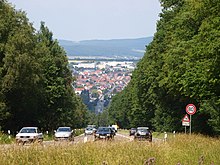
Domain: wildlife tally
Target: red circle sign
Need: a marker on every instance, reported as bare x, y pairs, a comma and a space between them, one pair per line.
191, 109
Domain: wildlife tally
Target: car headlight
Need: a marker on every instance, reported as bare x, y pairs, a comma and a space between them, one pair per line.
108, 134
97, 134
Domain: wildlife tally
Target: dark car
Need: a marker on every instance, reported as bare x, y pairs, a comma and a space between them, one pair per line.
104, 133
132, 131
143, 133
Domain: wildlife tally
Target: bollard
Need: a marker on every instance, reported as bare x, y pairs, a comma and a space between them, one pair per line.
9, 132
165, 136
85, 139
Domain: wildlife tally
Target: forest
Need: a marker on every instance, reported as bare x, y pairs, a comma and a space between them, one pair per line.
181, 66
35, 80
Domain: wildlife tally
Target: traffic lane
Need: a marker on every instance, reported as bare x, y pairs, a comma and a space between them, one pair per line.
78, 139
131, 138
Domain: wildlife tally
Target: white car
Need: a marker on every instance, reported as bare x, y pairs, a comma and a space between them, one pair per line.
29, 135
64, 133
89, 131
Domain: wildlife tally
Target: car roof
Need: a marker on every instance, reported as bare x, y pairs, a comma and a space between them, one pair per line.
30, 128
63, 127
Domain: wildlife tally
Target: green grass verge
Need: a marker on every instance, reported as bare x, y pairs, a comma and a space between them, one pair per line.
6, 139
183, 149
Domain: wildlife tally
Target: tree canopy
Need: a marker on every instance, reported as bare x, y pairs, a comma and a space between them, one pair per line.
35, 81
180, 66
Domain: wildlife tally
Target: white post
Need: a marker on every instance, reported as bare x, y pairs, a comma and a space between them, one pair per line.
9, 132
190, 124
165, 136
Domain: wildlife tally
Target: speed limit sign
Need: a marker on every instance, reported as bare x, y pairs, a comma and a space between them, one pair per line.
191, 109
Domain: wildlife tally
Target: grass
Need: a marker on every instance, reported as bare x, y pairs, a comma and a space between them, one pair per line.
160, 135
123, 131
6, 139
183, 149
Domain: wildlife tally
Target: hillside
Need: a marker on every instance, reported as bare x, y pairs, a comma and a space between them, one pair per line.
114, 47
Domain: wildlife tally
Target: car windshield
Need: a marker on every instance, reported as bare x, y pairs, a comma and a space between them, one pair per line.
28, 130
63, 129
89, 129
103, 129
143, 129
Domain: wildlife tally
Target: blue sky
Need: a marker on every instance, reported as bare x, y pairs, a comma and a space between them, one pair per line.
93, 19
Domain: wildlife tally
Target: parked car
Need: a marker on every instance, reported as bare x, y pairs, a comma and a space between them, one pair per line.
64, 133
132, 131
89, 131
29, 135
143, 133
104, 133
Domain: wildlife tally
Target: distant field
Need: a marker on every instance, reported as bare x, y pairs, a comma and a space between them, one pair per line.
183, 149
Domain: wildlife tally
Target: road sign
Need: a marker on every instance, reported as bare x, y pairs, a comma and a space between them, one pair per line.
186, 120
191, 109
185, 123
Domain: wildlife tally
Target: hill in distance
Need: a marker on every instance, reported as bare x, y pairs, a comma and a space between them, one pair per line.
132, 48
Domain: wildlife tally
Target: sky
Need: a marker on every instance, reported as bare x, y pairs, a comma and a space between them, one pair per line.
78, 20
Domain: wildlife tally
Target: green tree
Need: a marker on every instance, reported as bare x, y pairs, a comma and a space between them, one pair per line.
180, 66
35, 80
60, 105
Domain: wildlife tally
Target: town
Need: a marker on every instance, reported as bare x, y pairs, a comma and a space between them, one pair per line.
98, 80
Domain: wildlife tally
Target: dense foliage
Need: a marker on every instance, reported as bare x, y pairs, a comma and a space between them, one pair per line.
180, 66
35, 81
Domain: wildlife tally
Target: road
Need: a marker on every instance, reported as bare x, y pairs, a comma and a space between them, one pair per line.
77, 140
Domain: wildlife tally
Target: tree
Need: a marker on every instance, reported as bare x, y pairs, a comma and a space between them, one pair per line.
35, 80
180, 66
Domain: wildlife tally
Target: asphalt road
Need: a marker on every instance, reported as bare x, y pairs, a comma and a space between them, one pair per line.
78, 139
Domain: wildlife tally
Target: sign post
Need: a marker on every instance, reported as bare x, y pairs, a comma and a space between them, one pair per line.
190, 109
